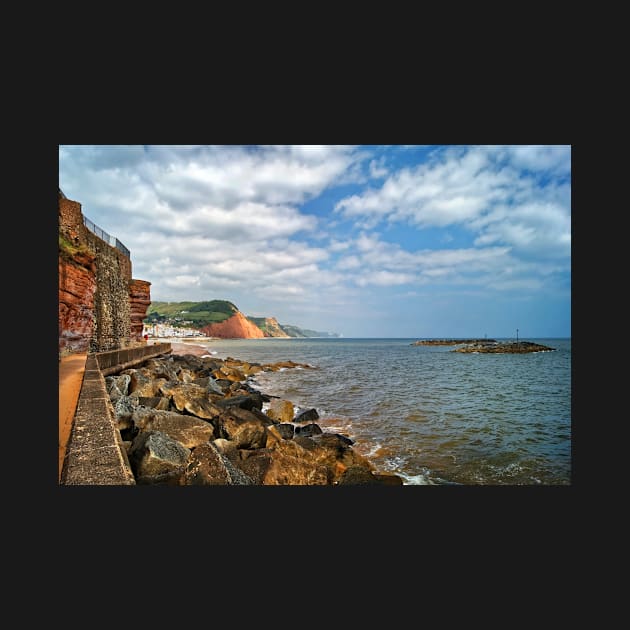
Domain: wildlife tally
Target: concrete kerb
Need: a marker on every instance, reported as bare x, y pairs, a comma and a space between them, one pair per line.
95, 454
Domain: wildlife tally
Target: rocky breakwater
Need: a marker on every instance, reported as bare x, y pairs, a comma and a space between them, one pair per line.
450, 342
189, 420
516, 347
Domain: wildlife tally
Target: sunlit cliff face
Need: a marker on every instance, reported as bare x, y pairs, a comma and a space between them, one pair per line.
235, 327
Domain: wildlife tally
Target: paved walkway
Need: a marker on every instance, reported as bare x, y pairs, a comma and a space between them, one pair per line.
71, 370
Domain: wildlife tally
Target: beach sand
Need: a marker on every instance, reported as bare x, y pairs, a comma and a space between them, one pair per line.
188, 347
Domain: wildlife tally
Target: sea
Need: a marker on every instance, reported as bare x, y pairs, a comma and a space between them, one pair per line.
425, 413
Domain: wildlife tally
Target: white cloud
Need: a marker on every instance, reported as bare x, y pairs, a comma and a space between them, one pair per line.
206, 222
349, 262
554, 158
384, 278
453, 190
338, 246
377, 168
483, 189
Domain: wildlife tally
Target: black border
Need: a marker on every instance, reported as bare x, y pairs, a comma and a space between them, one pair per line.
380, 522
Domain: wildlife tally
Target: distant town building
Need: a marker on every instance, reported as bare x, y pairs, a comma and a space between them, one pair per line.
166, 330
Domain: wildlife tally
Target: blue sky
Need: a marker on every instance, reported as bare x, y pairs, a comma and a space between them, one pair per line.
362, 240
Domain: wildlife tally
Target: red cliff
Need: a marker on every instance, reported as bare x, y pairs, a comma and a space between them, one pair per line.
100, 306
77, 285
235, 327
139, 301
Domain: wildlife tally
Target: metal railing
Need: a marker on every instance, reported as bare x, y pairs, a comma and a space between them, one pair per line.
102, 234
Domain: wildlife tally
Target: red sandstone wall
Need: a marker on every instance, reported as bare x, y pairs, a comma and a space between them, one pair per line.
139, 300
77, 286
100, 306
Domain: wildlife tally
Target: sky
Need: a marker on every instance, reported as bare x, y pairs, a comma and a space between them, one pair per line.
364, 240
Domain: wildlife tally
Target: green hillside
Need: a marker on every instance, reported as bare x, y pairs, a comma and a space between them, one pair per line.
200, 314
193, 314
295, 331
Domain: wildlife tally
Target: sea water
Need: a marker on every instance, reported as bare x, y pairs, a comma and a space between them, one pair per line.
426, 413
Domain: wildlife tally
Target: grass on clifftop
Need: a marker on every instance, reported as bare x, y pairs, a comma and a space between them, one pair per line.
198, 313
68, 251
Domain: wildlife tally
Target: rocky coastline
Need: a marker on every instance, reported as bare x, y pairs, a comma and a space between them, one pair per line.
195, 420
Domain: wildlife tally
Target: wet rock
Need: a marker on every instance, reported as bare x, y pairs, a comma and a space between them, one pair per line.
286, 430
281, 410
359, 475
309, 415
308, 430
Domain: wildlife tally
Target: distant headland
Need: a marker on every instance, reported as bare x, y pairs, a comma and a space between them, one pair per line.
486, 345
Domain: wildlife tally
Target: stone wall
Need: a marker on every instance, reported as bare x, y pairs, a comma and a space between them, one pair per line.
100, 304
112, 315
95, 454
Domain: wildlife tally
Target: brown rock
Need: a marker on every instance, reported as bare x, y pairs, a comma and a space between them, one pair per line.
208, 467
156, 458
244, 428
187, 430
281, 410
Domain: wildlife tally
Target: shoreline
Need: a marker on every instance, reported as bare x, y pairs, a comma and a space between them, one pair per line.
181, 348
191, 348
209, 427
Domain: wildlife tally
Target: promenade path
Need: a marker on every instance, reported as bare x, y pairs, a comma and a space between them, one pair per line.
71, 370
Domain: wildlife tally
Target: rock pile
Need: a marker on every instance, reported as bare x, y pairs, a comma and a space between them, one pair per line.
188, 420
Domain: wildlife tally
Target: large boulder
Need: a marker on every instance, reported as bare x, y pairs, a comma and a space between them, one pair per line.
309, 415
308, 430
182, 393
286, 463
286, 430
209, 383
208, 467
141, 383
124, 406
242, 427
187, 430
117, 386
246, 401
281, 410
159, 368
202, 408
155, 458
